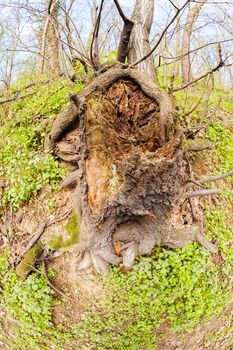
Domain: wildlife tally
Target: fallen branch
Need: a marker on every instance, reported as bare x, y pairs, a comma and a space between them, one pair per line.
210, 179
216, 177
33, 241
201, 193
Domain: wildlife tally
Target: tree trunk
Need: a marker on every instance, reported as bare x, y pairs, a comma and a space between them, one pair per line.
175, 72
186, 41
139, 41
120, 133
50, 40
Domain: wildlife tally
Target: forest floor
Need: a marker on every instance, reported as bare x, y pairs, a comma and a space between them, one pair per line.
194, 308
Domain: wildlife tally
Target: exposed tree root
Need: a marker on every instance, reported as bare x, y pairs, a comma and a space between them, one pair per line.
132, 169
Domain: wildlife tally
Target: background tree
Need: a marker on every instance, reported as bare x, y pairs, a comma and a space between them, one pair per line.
186, 41
139, 44
50, 40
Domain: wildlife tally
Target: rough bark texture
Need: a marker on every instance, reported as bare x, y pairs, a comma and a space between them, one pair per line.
185, 62
52, 40
131, 168
139, 40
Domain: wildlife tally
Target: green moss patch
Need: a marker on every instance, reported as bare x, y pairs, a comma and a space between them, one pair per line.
73, 231
28, 261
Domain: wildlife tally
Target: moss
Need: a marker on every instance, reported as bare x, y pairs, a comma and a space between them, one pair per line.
196, 145
25, 266
73, 230
72, 227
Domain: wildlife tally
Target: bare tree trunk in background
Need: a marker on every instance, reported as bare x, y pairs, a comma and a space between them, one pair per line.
139, 41
188, 29
176, 66
53, 44
165, 67
50, 42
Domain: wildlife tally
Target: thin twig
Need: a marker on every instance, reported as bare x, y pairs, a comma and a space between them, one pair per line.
197, 183
17, 98
177, 58
220, 64
60, 217
198, 102
44, 271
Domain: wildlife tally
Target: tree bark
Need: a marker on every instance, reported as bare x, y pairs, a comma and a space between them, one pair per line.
130, 177
120, 132
186, 41
139, 44
50, 41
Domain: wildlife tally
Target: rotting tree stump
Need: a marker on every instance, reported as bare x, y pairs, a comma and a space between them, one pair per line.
120, 132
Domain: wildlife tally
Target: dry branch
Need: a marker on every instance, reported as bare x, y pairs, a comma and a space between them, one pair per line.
202, 193
210, 179
17, 98
44, 271
216, 177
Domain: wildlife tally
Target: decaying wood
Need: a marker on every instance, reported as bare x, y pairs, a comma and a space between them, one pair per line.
132, 168
71, 114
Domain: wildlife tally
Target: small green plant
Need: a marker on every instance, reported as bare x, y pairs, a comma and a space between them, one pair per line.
219, 229
24, 166
182, 285
223, 138
28, 306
